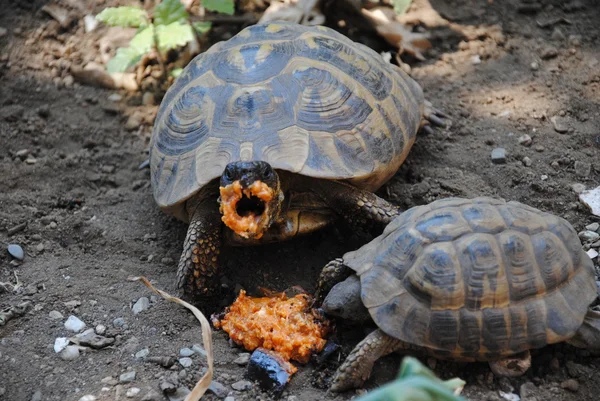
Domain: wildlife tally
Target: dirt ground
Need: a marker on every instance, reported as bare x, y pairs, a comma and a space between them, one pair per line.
73, 196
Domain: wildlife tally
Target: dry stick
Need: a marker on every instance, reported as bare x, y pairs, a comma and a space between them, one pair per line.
204, 382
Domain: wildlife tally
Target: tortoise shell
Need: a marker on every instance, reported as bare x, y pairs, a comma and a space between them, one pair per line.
305, 99
476, 279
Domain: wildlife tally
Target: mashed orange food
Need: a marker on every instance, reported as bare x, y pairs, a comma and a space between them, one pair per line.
250, 224
285, 325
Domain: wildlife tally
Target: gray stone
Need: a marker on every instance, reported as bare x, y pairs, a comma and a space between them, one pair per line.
242, 385
559, 124
100, 329
70, 353
141, 354
141, 305
571, 385
37, 396
94, 340
528, 391
73, 323
55, 315
186, 352
582, 169
527, 161
119, 322
132, 392
242, 359
16, 251
179, 394
198, 349
593, 227
525, 140
60, 343
152, 396
218, 389
589, 236
229, 398
186, 362
499, 156
127, 377
577, 187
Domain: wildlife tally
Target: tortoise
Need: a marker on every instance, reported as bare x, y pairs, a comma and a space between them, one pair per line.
466, 280
277, 132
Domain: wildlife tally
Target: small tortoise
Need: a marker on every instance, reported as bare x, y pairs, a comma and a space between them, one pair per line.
467, 280
274, 133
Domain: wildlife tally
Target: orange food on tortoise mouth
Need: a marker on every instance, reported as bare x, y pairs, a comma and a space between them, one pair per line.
285, 325
245, 211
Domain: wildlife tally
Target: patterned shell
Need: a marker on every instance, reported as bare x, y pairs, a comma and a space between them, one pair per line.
476, 279
304, 99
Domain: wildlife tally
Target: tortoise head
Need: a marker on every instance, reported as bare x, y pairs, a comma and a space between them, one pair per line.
251, 197
344, 301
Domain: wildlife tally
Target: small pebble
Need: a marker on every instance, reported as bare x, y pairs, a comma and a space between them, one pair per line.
242, 385
115, 97
100, 329
55, 315
499, 156
148, 99
40, 247
525, 140
229, 398
218, 389
16, 251
127, 377
88, 397
186, 352
582, 169
74, 324
509, 396
186, 362
60, 343
141, 305
589, 236
475, 60
179, 395
70, 353
548, 53
141, 354
559, 124
577, 187
37, 396
198, 349
3, 31
534, 66
592, 253
119, 322
593, 227
109, 380
571, 385
242, 359
527, 161
132, 392
539, 148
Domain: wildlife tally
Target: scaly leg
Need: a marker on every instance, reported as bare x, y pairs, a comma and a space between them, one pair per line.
357, 367
513, 366
199, 263
363, 210
334, 272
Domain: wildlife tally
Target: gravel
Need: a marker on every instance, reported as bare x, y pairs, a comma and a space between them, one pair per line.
73, 323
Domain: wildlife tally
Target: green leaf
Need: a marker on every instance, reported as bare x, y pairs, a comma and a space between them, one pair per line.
220, 6
400, 6
202, 27
143, 40
175, 72
173, 35
125, 58
169, 11
123, 16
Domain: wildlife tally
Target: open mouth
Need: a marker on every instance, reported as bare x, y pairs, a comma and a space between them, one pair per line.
245, 211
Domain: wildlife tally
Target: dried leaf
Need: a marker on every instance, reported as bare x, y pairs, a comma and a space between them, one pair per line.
304, 12
204, 382
395, 33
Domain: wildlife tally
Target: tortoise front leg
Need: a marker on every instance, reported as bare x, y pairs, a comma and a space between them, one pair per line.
334, 272
363, 210
588, 335
357, 367
199, 263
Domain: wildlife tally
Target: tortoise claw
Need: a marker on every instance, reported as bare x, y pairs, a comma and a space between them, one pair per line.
427, 130
433, 116
435, 120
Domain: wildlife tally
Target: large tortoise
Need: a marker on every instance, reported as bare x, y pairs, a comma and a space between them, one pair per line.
287, 126
468, 280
